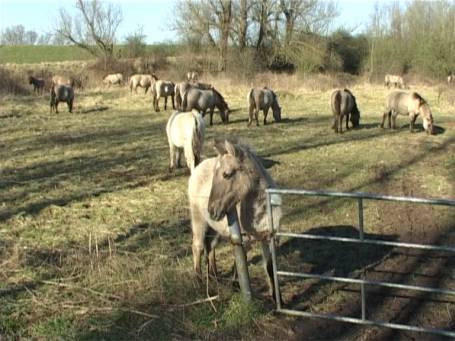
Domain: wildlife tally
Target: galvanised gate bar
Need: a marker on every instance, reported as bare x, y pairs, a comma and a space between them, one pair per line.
360, 197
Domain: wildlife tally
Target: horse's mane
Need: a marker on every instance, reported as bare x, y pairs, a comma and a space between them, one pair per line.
220, 96
420, 98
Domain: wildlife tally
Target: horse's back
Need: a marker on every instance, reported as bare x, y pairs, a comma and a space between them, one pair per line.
399, 101
180, 128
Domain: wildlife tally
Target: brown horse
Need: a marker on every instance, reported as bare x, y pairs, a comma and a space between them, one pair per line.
61, 93
203, 100
38, 84
395, 81
263, 99
164, 89
182, 87
234, 180
343, 104
409, 104
144, 81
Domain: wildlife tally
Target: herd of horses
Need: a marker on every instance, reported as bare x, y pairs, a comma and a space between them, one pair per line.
235, 178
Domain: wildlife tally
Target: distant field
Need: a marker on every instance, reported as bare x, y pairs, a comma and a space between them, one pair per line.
95, 239
38, 54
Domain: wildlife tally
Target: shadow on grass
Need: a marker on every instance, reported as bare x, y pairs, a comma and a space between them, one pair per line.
88, 111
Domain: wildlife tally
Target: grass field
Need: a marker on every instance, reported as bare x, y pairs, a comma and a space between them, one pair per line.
53, 53
95, 237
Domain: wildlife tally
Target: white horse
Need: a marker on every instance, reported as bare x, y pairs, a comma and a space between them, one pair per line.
185, 130
115, 78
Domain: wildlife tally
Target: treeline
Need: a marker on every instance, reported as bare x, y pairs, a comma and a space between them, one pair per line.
418, 36
281, 35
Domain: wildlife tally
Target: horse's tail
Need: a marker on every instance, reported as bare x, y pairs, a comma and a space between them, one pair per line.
336, 103
198, 137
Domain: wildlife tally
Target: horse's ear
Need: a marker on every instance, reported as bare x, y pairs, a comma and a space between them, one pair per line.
219, 146
233, 150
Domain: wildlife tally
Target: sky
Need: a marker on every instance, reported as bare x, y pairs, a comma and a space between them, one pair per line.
154, 16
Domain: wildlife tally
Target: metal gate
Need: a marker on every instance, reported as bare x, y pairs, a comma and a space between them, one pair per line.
360, 197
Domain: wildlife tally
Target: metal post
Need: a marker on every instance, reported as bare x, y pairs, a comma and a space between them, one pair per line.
361, 236
239, 253
273, 252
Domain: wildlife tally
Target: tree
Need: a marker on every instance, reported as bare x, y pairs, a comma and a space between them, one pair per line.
135, 43
93, 29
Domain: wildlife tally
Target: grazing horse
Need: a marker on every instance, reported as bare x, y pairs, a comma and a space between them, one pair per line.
62, 80
263, 99
38, 84
343, 103
112, 79
61, 93
185, 130
450, 79
410, 104
164, 89
182, 87
144, 81
192, 76
235, 179
396, 81
203, 100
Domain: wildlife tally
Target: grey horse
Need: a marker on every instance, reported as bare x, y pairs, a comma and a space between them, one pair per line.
343, 103
61, 93
203, 100
182, 87
263, 99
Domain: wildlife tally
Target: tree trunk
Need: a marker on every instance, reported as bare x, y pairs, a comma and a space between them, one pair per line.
225, 23
243, 23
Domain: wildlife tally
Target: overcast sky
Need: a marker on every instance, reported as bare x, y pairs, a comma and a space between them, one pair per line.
155, 16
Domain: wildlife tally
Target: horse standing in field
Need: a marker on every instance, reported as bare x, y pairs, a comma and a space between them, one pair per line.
234, 180
62, 80
450, 79
185, 130
112, 79
144, 81
164, 89
61, 93
203, 100
344, 104
263, 99
38, 84
182, 87
410, 104
393, 80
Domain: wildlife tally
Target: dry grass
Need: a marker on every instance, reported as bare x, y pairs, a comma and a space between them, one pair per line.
94, 233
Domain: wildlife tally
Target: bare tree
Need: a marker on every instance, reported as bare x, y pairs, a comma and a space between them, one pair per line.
93, 29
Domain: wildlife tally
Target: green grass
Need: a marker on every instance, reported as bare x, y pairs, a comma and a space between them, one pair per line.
52, 53
95, 237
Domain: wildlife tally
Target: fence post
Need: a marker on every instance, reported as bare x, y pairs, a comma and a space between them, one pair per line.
239, 253
362, 286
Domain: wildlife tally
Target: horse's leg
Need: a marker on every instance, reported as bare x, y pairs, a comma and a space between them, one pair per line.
268, 267
393, 117
265, 111
335, 123
189, 156
172, 156
165, 103
157, 101
413, 120
199, 229
340, 123
347, 120
56, 107
256, 116
212, 109
211, 241
384, 115
173, 103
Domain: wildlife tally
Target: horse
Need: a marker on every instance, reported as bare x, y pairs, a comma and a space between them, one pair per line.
411, 104
61, 93
182, 87
396, 81
263, 99
62, 80
144, 81
185, 130
38, 84
192, 76
112, 79
450, 79
164, 89
343, 103
234, 179
203, 100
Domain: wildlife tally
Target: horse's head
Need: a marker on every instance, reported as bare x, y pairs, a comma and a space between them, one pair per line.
30, 80
427, 118
355, 117
276, 109
232, 179
221, 105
